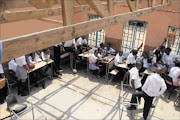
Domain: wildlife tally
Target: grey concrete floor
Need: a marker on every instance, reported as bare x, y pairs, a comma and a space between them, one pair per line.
82, 96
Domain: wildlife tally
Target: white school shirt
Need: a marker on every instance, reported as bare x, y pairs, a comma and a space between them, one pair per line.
93, 59
169, 59
37, 58
100, 55
69, 43
134, 75
30, 61
21, 61
111, 50
143, 60
81, 41
12, 65
131, 59
118, 59
174, 73
1, 69
126, 53
154, 85
44, 56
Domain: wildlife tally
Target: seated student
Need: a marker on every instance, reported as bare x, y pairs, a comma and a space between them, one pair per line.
39, 73
82, 44
102, 45
134, 80
101, 53
38, 57
70, 46
93, 60
45, 54
109, 49
119, 59
169, 58
3, 91
131, 59
156, 62
144, 60
175, 75
126, 54
21, 74
154, 86
12, 67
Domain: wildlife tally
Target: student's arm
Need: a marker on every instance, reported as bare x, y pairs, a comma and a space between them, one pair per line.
163, 88
27, 68
125, 76
140, 47
133, 86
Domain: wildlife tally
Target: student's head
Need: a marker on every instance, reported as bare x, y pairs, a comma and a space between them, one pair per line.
46, 51
83, 37
168, 51
32, 55
138, 65
96, 53
157, 52
120, 53
173, 29
26, 56
108, 46
145, 54
159, 70
134, 52
100, 50
102, 45
162, 49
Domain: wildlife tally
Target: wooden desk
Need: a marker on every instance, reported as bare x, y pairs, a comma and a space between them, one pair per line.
148, 72
37, 66
124, 65
109, 58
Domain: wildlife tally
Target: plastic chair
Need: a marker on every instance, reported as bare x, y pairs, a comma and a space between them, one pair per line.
16, 108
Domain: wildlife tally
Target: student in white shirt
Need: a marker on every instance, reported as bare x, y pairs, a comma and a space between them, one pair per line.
82, 44
12, 65
109, 49
175, 75
119, 59
102, 45
93, 62
101, 53
144, 60
131, 59
3, 91
45, 54
21, 74
70, 46
169, 58
156, 62
134, 80
153, 86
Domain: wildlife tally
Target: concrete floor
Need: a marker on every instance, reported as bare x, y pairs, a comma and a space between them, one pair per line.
86, 97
